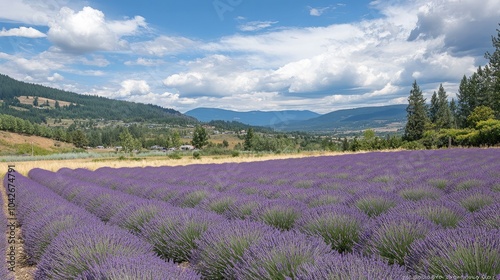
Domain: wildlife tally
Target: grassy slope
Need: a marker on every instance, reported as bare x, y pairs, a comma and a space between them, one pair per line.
17, 144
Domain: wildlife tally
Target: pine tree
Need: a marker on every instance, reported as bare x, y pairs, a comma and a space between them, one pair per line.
434, 108
443, 115
454, 113
416, 114
248, 144
494, 65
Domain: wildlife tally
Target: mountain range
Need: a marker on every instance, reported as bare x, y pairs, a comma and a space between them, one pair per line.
256, 118
391, 117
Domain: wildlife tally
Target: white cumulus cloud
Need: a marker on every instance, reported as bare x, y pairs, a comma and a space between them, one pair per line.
87, 30
28, 32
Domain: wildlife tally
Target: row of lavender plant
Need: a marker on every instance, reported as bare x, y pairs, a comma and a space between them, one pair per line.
5, 273
216, 247
68, 242
377, 217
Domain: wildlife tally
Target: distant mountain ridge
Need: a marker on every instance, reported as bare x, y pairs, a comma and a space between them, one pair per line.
256, 118
351, 119
292, 120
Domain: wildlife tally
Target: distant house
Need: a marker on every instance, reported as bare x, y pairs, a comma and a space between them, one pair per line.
186, 147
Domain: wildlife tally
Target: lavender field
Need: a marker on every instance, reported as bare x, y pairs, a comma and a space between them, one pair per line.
391, 215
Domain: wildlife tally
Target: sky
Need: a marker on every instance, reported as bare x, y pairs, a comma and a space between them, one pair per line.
247, 54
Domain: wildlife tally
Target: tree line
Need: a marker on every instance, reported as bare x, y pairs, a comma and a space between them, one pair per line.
471, 120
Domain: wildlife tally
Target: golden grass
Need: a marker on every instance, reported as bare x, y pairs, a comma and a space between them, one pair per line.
93, 164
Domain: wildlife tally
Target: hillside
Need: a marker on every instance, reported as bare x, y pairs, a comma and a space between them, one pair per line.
18, 144
390, 117
17, 99
256, 118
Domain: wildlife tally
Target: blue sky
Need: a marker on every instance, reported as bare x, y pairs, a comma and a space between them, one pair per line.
247, 54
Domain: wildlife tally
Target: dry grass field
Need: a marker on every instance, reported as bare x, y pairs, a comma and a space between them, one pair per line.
92, 164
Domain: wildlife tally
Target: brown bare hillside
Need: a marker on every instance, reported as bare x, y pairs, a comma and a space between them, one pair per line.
13, 143
42, 100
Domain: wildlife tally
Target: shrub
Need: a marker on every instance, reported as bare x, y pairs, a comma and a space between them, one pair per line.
189, 198
279, 256
136, 215
339, 226
221, 246
464, 253
475, 199
419, 193
351, 266
196, 155
441, 212
441, 184
173, 234
243, 207
175, 155
330, 198
279, 213
374, 203
391, 235
487, 217
137, 267
41, 229
73, 251
217, 203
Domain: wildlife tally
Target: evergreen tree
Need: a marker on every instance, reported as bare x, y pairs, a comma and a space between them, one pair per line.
416, 114
454, 113
56, 105
443, 114
248, 144
35, 101
434, 108
200, 137
494, 65
465, 102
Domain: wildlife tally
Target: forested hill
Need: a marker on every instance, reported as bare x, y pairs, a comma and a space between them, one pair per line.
18, 99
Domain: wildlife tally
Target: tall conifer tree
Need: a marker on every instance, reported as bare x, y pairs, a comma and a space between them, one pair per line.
416, 114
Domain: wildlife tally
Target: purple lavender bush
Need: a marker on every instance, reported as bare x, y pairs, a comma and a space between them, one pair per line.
41, 229
189, 198
441, 212
217, 202
475, 199
340, 227
279, 213
174, 232
137, 267
74, 251
391, 235
462, 253
374, 202
244, 206
221, 246
416, 193
488, 217
278, 256
134, 216
350, 266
